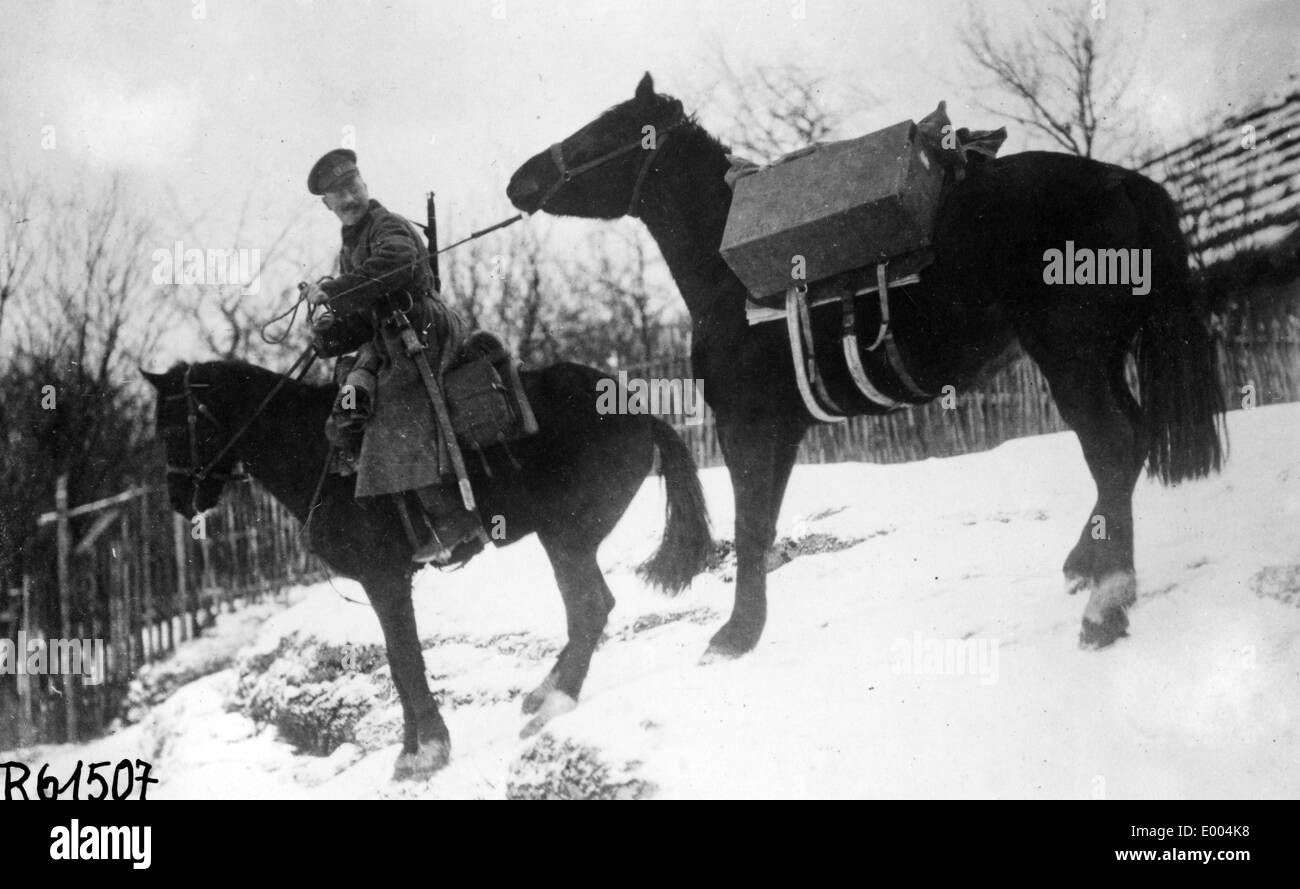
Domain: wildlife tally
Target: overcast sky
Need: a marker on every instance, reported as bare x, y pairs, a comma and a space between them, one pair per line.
208, 97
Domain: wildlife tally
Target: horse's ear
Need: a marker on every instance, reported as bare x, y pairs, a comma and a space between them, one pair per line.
645, 90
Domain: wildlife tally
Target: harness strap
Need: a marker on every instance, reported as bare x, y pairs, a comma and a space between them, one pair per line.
195, 409
634, 205
853, 357
819, 384
886, 336
793, 318
568, 174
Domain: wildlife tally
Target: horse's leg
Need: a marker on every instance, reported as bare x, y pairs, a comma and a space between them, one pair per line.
426, 744
750, 450
1115, 446
786, 452
587, 603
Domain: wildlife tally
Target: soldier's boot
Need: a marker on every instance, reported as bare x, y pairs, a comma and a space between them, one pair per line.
455, 533
426, 544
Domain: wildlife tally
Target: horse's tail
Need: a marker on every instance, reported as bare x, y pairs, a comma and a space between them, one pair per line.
1177, 360
686, 543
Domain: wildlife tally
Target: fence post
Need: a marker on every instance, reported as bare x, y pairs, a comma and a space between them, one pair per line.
209, 582
65, 597
146, 571
25, 685
182, 577
119, 627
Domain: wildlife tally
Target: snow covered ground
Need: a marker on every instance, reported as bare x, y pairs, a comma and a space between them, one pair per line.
936, 656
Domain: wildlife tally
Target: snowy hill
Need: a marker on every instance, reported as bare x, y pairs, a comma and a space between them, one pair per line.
929, 652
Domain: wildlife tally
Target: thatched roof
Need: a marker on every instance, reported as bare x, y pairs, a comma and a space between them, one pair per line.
1241, 203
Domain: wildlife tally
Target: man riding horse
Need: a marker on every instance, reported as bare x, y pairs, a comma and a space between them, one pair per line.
383, 423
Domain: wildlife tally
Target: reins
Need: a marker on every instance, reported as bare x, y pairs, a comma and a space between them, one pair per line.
300, 367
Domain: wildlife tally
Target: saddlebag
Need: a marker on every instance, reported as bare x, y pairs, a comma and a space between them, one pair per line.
486, 397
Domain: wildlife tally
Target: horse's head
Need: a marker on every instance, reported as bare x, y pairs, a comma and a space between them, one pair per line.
194, 436
598, 171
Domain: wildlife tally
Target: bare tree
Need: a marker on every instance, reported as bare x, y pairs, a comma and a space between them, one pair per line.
596, 303
772, 109
1066, 77
16, 228
622, 279
94, 296
228, 316
466, 275
74, 332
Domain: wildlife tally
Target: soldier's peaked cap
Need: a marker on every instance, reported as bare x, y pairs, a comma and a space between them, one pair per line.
331, 170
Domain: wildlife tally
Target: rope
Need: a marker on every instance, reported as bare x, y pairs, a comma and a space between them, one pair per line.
292, 312
483, 231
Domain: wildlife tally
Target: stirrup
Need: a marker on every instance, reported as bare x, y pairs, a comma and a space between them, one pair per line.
433, 551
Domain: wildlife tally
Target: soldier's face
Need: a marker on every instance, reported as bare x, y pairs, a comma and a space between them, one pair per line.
349, 201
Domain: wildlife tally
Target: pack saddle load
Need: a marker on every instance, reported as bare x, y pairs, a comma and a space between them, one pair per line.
837, 221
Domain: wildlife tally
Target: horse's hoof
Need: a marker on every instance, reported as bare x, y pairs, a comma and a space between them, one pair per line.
775, 559
535, 698
716, 653
1076, 583
1105, 617
1094, 635
727, 645
557, 703
432, 756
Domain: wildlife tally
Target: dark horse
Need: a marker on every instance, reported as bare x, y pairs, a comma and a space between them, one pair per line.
984, 292
573, 482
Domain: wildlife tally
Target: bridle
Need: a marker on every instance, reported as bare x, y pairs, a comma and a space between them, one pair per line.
567, 174
194, 409
196, 473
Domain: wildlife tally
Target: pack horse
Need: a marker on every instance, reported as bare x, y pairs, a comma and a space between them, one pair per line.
979, 287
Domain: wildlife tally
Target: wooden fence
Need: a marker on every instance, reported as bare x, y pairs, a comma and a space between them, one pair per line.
1014, 402
130, 571
134, 574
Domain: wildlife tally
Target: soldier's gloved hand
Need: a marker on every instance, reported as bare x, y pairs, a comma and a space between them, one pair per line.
315, 295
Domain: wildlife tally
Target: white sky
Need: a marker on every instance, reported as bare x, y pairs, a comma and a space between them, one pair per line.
451, 96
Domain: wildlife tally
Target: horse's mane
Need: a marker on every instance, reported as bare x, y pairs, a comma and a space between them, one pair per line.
691, 120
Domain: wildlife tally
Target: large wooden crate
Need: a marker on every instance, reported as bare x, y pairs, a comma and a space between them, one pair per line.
844, 206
